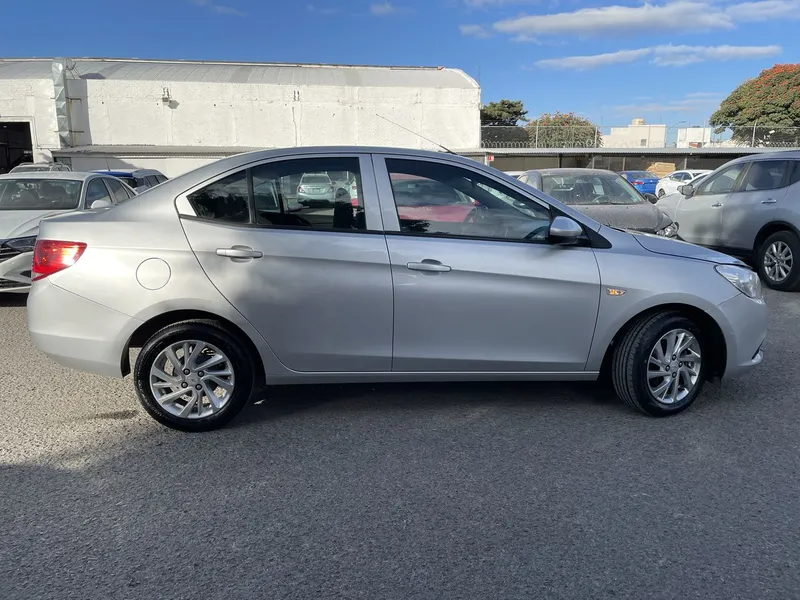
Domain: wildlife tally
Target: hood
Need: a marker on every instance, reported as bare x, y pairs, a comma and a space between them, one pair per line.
638, 217
23, 223
672, 247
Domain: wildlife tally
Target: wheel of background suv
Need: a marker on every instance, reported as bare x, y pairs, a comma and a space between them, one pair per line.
193, 376
657, 367
777, 261
661, 193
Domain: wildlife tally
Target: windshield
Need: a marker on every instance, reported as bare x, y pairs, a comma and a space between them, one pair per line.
315, 179
39, 194
590, 188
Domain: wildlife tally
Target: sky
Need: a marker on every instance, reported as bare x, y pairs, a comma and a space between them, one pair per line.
669, 61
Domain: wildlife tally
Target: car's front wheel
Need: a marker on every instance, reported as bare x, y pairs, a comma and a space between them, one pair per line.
193, 376
657, 366
777, 261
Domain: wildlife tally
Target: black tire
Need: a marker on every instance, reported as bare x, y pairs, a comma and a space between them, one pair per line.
204, 331
792, 281
629, 365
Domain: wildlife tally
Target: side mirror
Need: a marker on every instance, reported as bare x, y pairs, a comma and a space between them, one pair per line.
651, 198
687, 190
564, 232
98, 204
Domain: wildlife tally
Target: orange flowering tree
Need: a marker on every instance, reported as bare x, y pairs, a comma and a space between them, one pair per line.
563, 130
765, 109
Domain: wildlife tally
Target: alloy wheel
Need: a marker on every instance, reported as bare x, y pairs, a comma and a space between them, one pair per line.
192, 379
673, 368
778, 261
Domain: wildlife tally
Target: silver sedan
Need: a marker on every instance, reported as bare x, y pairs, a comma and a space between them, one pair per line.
439, 269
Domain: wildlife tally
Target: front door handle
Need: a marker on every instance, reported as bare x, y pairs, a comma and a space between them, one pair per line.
716, 205
431, 266
239, 252
769, 201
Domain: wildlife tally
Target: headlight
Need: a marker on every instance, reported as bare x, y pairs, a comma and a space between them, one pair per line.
743, 279
669, 231
24, 244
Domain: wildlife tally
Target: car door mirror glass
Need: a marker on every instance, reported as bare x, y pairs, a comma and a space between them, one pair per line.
100, 204
564, 231
652, 198
686, 190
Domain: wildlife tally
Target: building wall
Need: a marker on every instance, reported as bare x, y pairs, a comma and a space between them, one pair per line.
636, 136
694, 137
269, 116
32, 100
171, 166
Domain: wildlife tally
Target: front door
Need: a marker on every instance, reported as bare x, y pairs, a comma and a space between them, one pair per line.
754, 202
476, 285
699, 216
314, 281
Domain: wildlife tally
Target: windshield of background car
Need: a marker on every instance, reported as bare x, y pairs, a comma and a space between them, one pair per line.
590, 188
39, 194
316, 179
426, 192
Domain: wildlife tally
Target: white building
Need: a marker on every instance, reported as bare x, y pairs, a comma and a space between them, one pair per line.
694, 137
636, 135
175, 115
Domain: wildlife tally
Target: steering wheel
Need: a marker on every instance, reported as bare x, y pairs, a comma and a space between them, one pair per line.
537, 231
599, 199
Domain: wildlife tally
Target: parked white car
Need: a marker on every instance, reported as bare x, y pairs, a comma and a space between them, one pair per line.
670, 184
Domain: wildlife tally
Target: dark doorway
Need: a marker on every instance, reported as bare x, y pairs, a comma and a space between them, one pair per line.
15, 145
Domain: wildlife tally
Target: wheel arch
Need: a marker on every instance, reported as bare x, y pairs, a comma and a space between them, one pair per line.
715, 336
147, 329
770, 228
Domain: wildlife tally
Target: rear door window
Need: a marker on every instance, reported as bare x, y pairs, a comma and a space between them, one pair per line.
152, 181
765, 175
117, 190
95, 191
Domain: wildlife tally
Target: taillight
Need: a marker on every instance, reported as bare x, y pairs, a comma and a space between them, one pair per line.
52, 256
638, 182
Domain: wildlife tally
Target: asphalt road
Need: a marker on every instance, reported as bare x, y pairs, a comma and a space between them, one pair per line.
413, 491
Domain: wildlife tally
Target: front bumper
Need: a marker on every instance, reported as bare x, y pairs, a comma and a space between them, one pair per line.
76, 332
744, 324
15, 273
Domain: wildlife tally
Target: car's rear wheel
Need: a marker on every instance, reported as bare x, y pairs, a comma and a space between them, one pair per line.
778, 260
193, 376
657, 367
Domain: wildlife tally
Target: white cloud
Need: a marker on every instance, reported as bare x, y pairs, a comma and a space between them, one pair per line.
661, 55
476, 31
681, 15
583, 63
220, 9
687, 55
382, 9
687, 104
322, 10
765, 10
490, 3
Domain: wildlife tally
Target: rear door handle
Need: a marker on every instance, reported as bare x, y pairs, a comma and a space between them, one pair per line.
769, 201
239, 252
431, 266
716, 205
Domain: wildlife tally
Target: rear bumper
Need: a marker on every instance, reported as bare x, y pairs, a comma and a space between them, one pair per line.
76, 332
744, 324
15, 273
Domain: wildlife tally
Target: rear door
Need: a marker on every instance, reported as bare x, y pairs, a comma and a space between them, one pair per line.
761, 190
315, 283
699, 216
471, 293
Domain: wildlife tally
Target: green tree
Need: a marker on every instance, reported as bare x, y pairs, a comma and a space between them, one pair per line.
500, 124
766, 108
563, 130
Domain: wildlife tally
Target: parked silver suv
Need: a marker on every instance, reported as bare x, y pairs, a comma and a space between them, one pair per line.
438, 269
750, 208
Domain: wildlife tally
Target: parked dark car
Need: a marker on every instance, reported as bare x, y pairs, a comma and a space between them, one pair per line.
603, 195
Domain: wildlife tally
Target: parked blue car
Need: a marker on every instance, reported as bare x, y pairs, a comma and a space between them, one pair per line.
644, 181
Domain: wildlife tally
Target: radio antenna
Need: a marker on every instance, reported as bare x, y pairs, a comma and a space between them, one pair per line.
415, 133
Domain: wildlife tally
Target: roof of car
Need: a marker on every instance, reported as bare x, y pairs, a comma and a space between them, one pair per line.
66, 175
128, 172
571, 171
